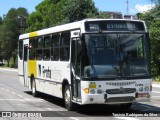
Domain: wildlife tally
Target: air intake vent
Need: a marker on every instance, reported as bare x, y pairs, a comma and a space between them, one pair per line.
120, 99
121, 91
120, 83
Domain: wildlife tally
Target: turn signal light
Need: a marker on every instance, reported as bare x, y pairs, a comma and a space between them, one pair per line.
86, 90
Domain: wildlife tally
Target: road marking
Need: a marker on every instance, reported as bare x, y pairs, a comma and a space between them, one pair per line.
126, 118
2, 89
74, 118
20, 96
156, 85
22, 100
33, 99
13, 70
155, 91
13, 93
12, 99
49, 109
7, 90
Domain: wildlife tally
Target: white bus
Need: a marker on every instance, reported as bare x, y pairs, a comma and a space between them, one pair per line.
93, 61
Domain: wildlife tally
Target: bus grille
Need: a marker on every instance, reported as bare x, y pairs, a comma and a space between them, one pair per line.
120, 83
121, 91
120, 99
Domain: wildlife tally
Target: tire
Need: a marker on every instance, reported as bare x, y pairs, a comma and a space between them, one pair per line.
34, 90
68, 98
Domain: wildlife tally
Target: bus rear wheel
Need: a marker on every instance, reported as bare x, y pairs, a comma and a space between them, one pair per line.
34, 90
68, 98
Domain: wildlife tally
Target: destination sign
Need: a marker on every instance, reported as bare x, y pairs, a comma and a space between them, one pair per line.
114, 25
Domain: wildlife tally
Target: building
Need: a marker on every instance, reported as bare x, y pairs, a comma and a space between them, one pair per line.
117, 15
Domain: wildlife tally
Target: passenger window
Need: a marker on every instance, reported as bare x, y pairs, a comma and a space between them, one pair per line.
55, 47
20, 49
46, 47
39, 54
40, 42
65, 47
32, 51
33, 43
46, 54
47, 42
32, 54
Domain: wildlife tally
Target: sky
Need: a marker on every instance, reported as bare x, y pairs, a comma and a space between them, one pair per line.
134, 6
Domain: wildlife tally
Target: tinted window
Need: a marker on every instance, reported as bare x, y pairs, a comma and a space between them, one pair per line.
20, 49
40, 42
55, 47
65, 47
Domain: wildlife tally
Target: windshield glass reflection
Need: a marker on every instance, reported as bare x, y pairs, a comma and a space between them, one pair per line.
111, 55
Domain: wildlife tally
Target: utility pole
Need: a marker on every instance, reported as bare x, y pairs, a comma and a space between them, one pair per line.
127, 7
21, 25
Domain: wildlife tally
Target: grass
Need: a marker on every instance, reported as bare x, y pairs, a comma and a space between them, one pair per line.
3, 65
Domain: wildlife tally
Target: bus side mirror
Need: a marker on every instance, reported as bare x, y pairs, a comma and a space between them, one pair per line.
29, 46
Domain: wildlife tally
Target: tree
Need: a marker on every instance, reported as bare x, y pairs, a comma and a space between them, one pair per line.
0, 20
75, 10
1, 57
155, 1
10, 31
56, 12
152, 19
45, 15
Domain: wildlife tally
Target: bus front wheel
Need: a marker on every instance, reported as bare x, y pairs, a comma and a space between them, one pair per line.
67, 98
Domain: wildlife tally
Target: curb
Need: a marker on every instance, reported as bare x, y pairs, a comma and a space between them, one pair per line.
9, 69
156, 85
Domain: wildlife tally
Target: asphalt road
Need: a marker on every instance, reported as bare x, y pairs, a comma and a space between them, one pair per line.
17, 101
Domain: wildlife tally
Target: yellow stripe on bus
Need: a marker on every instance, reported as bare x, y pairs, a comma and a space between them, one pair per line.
33, 34
32, 68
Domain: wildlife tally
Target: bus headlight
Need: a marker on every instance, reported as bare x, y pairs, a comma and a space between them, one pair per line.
92, 91
86, 90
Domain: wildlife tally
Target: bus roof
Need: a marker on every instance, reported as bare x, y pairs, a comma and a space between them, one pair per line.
66, 27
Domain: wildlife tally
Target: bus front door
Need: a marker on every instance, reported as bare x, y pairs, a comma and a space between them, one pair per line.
25, 65
75, 60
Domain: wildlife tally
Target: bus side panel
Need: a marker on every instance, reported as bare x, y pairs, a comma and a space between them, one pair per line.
50, 75
20, 71
32, 68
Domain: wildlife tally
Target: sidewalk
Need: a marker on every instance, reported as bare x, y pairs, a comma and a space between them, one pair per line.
9, 69
156, 85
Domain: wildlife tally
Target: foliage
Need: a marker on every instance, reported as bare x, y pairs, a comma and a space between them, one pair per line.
75, 10
152, 19
155, 1
10, 29
56, 12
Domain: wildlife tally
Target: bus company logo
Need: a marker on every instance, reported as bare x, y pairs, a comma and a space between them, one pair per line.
121, 89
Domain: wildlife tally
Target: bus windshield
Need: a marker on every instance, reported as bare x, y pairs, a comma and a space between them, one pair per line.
116, 55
